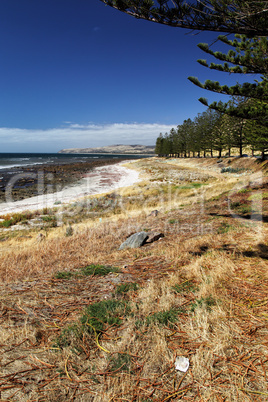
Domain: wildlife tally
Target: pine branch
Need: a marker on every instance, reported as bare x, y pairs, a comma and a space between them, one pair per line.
247, 17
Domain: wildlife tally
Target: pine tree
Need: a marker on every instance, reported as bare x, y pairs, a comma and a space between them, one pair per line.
233, 16
159, 145
249, 57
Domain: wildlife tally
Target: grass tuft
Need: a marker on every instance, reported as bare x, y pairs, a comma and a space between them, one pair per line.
163, 317
185, 287
126, 287
120, 362
98, 270
97, 315
206, 302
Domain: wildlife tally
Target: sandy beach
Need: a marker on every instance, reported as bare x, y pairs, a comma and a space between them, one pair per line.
101, 180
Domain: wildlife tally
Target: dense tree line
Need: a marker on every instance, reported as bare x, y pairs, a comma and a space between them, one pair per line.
213, 133
240, 123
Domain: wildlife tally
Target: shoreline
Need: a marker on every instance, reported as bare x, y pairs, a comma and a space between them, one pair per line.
28, 181
98, 180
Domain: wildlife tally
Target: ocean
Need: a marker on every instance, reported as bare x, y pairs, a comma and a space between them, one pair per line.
10, 160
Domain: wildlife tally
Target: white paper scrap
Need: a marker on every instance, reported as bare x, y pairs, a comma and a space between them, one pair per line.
182, 363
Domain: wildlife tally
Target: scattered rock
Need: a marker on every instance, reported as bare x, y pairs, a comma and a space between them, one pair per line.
154, 213
134, 241
154, 236
40, 237
36, 222
18, 227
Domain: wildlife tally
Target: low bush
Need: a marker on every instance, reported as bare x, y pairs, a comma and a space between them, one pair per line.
185, 287
126, 287
120, 362
229, 169
104, 312
207, 302
98, 270
163, 317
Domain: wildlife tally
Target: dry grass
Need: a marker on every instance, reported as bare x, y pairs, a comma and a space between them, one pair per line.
202, 294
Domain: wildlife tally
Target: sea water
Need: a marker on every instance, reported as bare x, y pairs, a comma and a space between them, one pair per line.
10, 160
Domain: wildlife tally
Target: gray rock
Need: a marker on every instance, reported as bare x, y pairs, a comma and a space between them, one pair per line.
134, 241
154, 236
154, 213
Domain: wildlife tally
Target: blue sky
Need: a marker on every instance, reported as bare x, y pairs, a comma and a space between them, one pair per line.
77, 73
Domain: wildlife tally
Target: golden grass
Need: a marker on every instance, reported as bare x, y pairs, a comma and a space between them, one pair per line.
221, 319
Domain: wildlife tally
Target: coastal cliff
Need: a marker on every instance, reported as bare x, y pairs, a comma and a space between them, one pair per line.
112, 149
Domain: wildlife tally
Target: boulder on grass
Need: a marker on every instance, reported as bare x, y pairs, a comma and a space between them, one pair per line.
154, 236
134, 241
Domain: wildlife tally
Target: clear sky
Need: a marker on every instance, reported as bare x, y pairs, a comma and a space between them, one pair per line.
77, 73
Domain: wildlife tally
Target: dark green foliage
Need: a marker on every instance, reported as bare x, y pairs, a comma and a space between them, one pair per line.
97, 315
126, 287
241, 208
244, 190
69, 337
207, 302
224, 228
120, 362
98, 270
92, 269
64, 275
13, 219
6, 223
232, 16
172, 221
245, 209
185, 287
48, 218
232, 170
193, 137
163, 317
248, 57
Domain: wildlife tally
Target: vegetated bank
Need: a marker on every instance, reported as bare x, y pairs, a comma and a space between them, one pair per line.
82, 320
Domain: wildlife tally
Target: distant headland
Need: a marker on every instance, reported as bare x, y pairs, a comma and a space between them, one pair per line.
112, 149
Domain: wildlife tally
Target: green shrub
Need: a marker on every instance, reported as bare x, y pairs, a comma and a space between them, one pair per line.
229, 169
48, 218
69, 336
87, 271
245, 209
224, 228
163, 317
171, 221
98, 270
104, 312
207, 302
63, 275
126, 287
120, 362
244, 190
6, 223
185, 287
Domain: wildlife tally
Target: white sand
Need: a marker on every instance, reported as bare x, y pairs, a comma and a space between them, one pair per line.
101, 180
